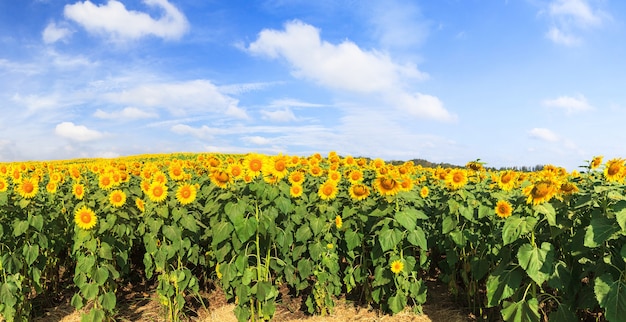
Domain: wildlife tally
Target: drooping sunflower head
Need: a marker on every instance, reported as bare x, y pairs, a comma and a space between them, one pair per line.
397, 266
568, 188
186, 194
221, 178
328, 190
338, 222
117, 198
503, 209
28, 187
614, 170
387, 185
85, 218
359, 191
140, 204
507, 180
596, 162
456, 179
540, 192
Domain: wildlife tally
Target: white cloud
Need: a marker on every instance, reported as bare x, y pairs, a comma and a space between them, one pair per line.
54, 33
114, 20
569, 17
543, 134
180, 98
568, 103
560, 37
422, 105
203, 132
290, 102
36, 102
397, 24
344, 66
258, 140
75, 132
284, 115
128, 113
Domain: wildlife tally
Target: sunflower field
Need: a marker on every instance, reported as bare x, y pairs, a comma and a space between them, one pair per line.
517, 246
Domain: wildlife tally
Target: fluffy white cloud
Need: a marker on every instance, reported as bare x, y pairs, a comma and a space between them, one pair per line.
180, 98
75, 132
128, 113
114, 20
568, 17
283, 115
203, 132
258, 140
544, 134
344, 66
569, 103
54, 33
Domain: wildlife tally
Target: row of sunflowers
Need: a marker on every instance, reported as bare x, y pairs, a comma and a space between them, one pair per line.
520, 246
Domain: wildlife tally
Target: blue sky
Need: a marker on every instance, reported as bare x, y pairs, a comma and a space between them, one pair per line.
514, 83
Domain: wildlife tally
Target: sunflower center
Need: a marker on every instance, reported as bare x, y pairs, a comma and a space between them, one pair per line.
236, 171
176, 172
355, 176
328, 190
506, 178
359, 190
388, 183
106, 181
279, 165
85, 217
296, 189
222, 177
157, 191
256, 165
117, 197
28, 187
614, 169
2, 185
186, 193
540, 190
458, 177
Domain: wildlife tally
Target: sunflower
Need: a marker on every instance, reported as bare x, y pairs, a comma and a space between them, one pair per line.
338, 222
387, 185
221, 178
235, 170
506, 180
55, 177
596, 162
359, 191
253, 164
456, 178
157, 192
614, 170
176, 172
51, 187
3, 184
540, 192
28, 187
316, 171
355, 176
424, 192
568, 188
276, 166
78, 190
296, 177
85, 218
503, 209
328, 190
140, 204
186, 194
296, 190
397, 266
117, 198
334, 176
406, 183
105, 181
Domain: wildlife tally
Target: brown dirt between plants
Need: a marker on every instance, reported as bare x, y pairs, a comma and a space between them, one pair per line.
140, 304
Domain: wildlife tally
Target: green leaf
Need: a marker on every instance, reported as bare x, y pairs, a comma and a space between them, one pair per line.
397, 303
31, 253
352, 238
303, 234
101, 276
37, 222
548, 210
537, 262
389, 238
90, 291
105, 251
502, 283
235, 212
189, 222
448, 225
407, 219
109, 301
20, 227
563, 313
417, 237
516, 226
221, 232
599, 231
246, 229
611, 295
317, 225
620, 214
522, 311
77, 301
